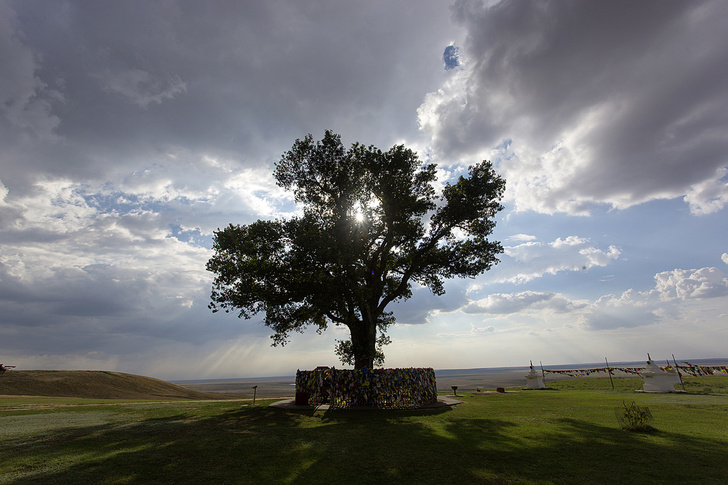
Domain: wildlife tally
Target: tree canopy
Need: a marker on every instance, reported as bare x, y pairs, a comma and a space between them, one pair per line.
372, 225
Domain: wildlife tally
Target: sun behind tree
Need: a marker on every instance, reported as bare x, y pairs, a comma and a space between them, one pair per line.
372, 225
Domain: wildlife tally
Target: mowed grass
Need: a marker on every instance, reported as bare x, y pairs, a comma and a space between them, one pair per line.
568, 434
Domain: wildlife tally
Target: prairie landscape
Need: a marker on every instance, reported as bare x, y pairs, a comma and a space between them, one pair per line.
566, 434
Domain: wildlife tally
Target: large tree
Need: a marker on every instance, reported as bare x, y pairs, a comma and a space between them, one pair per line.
372, 225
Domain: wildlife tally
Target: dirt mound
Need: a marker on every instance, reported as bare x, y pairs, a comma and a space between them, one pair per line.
94, 385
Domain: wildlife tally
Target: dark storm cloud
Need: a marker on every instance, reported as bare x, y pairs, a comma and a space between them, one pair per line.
105, 309
616, 102
235, 79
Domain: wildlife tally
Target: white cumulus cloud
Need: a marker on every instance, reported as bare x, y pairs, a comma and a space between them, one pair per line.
533, 259
504, 303
694, 283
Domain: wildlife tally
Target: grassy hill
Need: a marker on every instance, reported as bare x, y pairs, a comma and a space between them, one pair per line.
94, 385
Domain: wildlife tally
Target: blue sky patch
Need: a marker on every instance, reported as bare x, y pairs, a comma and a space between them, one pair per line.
451, 57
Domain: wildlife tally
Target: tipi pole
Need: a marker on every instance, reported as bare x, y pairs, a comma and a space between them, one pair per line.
678, 371
609, 371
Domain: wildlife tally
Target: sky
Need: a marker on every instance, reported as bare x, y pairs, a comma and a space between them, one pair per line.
131, 131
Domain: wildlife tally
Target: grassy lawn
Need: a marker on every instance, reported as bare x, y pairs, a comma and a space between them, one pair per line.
568, 434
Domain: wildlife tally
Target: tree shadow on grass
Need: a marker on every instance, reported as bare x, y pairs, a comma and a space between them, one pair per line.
265, 445
574, 451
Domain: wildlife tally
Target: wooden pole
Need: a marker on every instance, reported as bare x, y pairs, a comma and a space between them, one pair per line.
678, 371
609, 371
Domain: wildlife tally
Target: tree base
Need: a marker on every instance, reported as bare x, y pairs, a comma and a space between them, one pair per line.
380, 388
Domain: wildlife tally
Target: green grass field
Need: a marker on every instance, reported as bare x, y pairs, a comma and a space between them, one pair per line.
568, 434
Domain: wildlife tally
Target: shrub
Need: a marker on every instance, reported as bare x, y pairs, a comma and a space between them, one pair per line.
633, 417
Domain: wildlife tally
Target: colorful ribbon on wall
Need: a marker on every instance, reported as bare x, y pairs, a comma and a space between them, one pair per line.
383, 388
587, 372
693, 370
702, 370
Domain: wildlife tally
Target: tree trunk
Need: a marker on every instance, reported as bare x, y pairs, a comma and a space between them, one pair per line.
364, 344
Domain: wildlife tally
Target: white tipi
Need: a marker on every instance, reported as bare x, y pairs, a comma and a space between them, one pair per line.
658, 380
534, 380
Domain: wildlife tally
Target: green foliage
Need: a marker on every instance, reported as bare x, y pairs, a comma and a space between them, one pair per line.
634, 418
345, 350
372, 225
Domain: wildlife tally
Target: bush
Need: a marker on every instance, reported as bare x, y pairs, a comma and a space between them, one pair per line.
633, 417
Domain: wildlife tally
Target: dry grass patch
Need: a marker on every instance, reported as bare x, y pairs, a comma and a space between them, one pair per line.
94, 385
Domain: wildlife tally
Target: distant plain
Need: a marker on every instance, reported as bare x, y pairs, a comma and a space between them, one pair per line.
466, 379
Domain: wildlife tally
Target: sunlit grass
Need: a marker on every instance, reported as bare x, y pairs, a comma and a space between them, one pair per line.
35, 401
564, 435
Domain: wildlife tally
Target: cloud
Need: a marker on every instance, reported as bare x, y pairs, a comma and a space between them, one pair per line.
520, 264
675, 293
533, 259
140, 87
503, 303
521, 238
75, 270
423, 304
239, 82
25, 100
631, 309
689, 284
710, 195
632, 111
